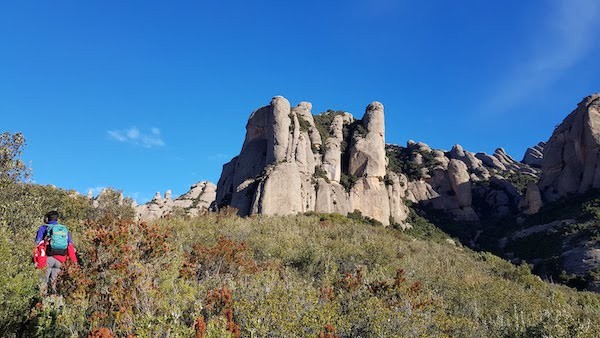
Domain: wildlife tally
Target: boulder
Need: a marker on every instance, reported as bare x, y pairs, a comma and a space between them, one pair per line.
370, 196
279, 192
458, 176
532, 202
331, 197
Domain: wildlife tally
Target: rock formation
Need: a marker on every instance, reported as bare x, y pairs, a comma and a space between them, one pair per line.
532, 203
534, 155
572, 154
293, 162
198, 198
466, 185
287, 165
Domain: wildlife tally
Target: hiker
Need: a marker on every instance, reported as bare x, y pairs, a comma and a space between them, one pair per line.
54, 246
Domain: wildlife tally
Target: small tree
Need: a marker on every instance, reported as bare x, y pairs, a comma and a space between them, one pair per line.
12, 168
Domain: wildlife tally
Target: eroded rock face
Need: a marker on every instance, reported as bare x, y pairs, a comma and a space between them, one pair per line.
467, 185
571, 156
285, 167
534, 155
289, 163
532, 203
332, 157
367, 155
198, 198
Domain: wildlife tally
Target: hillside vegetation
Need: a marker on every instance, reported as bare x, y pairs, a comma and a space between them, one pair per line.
542, 240
219, 275
294, 276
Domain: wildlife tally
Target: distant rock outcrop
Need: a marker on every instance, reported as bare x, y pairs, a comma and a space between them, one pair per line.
289, 164
571, 160
198, 198
534, 155
466, 185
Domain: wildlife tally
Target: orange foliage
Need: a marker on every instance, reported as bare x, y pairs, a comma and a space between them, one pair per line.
115, 272
351, 282
219, 301
225, 257
101, 333
329, 332
200, 327
327, 293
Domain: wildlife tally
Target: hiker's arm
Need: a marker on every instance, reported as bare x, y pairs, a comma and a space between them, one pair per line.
40, 235
72, 253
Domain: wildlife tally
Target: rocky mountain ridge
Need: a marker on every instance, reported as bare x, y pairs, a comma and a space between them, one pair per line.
199, 198
292, 161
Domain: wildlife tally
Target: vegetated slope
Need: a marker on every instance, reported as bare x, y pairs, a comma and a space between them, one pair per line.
561, 241
298, 276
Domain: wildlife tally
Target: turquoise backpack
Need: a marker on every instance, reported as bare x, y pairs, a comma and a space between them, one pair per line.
59, 238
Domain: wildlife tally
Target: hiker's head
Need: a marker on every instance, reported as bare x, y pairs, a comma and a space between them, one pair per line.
52, 216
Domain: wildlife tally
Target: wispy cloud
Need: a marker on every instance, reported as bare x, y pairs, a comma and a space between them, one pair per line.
95, 191
133, 135
566, 37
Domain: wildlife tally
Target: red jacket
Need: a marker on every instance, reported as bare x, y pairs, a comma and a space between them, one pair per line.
40, 255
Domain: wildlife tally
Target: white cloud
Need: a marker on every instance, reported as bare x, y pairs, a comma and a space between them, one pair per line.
136, 137
133, 133
566, 37
116, 135
95, 191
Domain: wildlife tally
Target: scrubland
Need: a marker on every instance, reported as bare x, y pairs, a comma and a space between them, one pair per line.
219, 275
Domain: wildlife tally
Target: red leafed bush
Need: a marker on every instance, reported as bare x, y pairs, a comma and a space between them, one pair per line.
101, 333
115, 281
225, 257
350, 282
329, 332
219, 302
200, 327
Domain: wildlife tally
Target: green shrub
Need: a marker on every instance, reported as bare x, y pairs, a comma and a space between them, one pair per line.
400, 161
323, 122
18, 280
348, 181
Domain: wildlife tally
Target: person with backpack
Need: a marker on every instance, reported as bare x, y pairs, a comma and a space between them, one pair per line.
54, 246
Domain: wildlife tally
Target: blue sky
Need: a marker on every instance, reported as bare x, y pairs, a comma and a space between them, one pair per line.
146, 96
